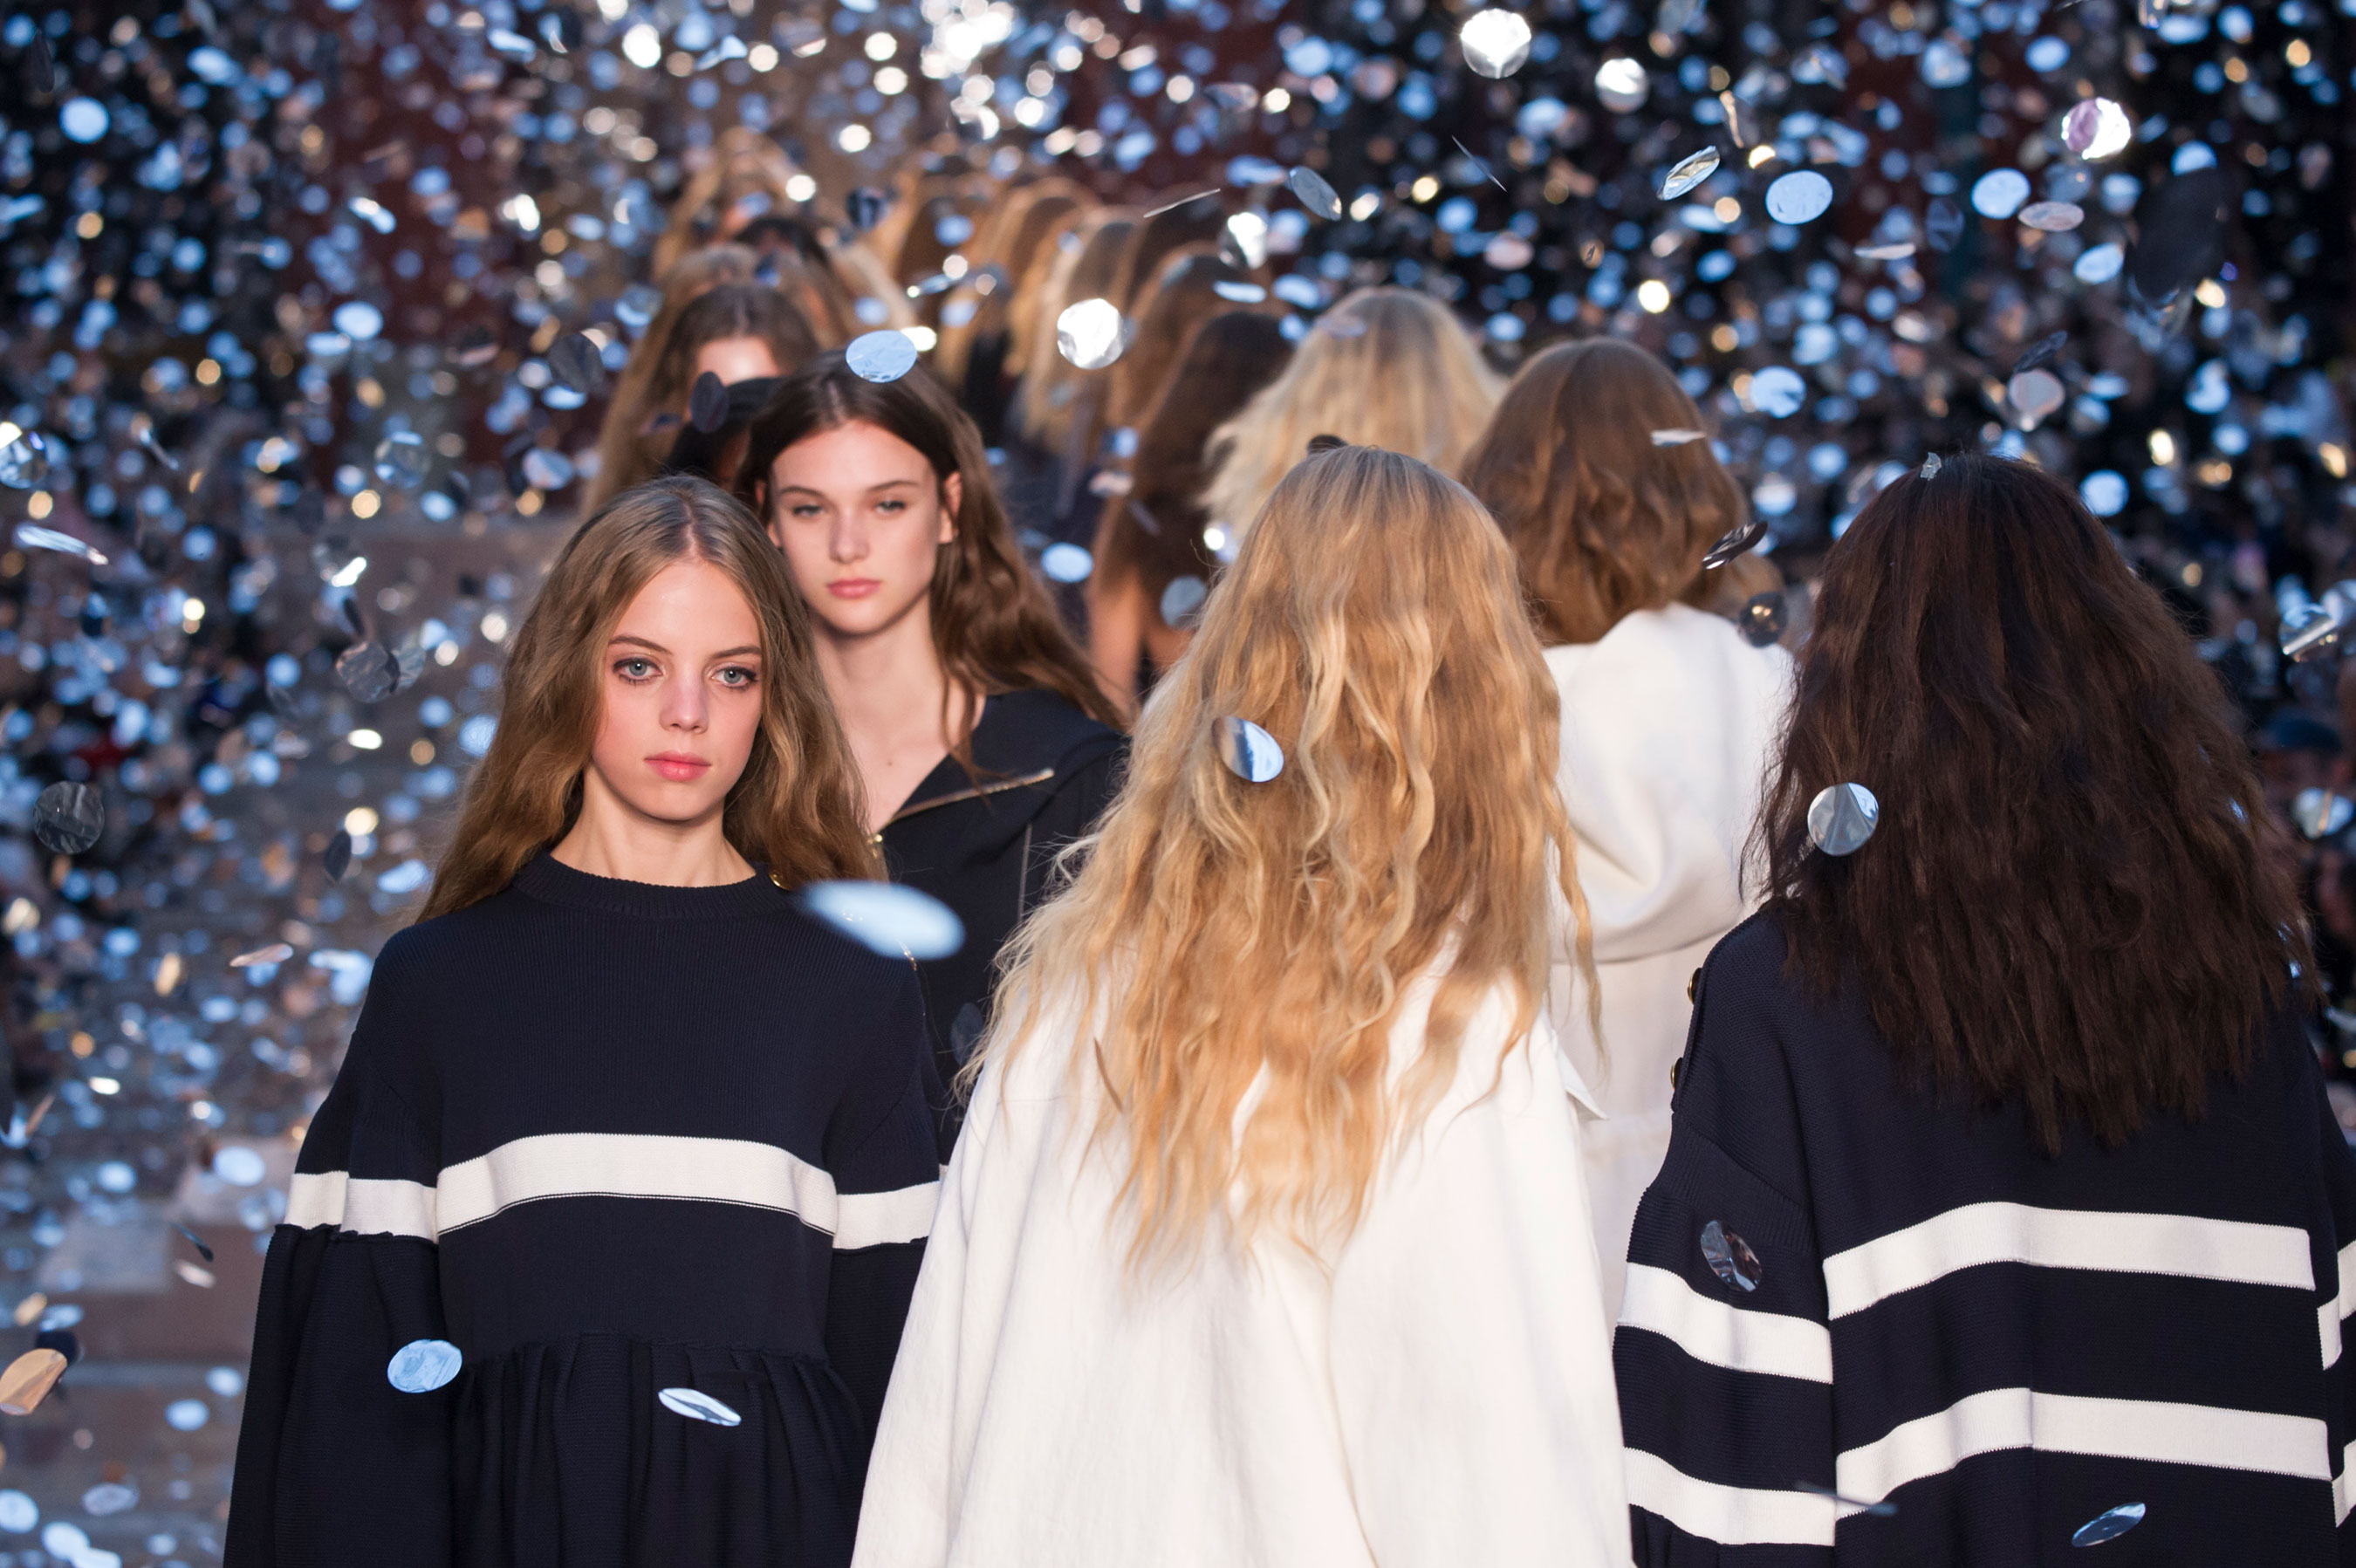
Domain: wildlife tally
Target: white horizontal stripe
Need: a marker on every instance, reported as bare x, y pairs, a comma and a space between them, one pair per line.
1730, 1515
2343, 1485
875, 1218
713, 1170
2065, 1239
2066, 1424
2334, 1313
1722, 1333
366, 1207
614, 1165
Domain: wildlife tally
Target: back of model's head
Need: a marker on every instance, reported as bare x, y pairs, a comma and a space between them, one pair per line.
1384, 367
2069, 901
1372, 627
795, 809
993, 626
1604, 519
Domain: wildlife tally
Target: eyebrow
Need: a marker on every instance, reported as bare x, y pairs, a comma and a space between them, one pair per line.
886, 485
652, 646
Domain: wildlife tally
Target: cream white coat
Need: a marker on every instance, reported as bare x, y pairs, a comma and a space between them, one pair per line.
1439, 1395
1667, 726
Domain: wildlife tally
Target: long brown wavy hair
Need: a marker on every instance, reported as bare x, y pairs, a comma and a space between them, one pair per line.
994, 629
797, 810
1603, 520
2068, 900
1216, 928
628, 406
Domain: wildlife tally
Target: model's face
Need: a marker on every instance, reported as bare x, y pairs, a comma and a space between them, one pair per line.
734, 359
862, 519
681, 683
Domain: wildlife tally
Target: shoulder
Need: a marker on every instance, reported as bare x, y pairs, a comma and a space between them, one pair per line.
1697, 656
1022, 732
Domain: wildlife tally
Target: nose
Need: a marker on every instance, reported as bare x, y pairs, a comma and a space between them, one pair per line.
685, 706
846, 541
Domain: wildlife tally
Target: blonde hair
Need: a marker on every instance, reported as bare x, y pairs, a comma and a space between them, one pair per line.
1218, 929
795, 811
1604, 521
1383, 368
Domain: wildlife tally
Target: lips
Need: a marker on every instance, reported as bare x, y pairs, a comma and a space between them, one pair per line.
853, 587
679, 767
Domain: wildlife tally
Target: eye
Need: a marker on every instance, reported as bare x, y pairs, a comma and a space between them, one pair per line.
736, 677
635, 669
803, 509
892, 505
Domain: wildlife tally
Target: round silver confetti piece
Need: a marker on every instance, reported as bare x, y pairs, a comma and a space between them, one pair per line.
2035, 394
2314, 631
1799, 196
1181, 601
1239, 293
1736, 541
880, 356
1762, 621
1677, 437
1730, 1257
1999, 193
885, 917
707, 402
402, 461
369, 672
424, 1365
1690, 171
68, 818
276, 953
1778, 391
24, 457
1314, 192
1495, 43
33, 536
1091, 334
1621, 85
1842, 817
1250, 752
697, 1405
1065, 563
2052, 217
575, 360
2320, 813
2108, 1526
2096, 128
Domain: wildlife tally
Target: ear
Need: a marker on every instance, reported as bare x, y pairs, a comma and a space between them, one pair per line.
953, 494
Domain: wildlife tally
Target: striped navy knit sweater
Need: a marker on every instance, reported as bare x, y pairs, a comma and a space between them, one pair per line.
658, 1162
1840, 1285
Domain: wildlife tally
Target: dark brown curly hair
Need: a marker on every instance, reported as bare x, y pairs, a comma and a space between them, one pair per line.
1603, 519
2068, 900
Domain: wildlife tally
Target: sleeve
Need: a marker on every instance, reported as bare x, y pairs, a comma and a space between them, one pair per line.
1724, 1349
884, 1157
1470, 1354
334, 1463
2335, 1251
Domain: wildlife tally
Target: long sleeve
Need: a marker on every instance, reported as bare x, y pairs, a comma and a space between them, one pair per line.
335, 1464
1471, 1358
2334, 1247
882, 1155
1724, 1349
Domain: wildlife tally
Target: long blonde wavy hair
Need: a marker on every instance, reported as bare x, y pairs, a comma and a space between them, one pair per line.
1385, 367
797, 808
1372, 624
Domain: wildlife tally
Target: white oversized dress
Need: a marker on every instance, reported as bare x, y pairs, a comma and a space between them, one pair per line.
1667, 726
1438, 1394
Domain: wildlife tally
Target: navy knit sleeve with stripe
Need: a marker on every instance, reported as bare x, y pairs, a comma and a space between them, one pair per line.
1868, 1325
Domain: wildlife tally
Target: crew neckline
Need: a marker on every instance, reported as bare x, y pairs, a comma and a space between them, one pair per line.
551, 881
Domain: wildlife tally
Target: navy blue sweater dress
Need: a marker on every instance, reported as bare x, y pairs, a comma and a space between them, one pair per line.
1870, 1326
658, 1163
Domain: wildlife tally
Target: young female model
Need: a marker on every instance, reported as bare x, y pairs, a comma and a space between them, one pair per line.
981, 739
2004, 1199
1667, 715
1254, 1251
1385, 367
1152, 536
632, 1148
